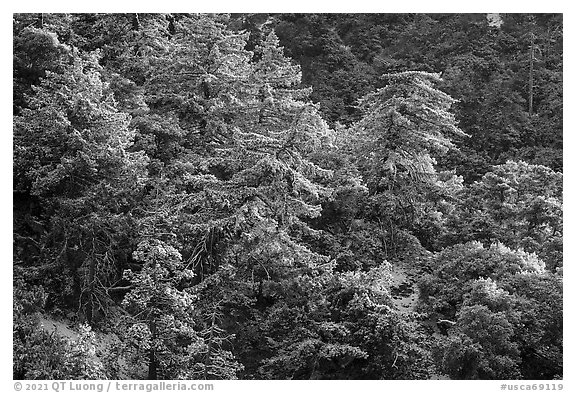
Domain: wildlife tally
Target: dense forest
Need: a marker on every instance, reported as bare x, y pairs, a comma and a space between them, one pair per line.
287, 196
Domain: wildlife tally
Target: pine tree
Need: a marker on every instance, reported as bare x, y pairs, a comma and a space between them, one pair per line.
407, 124
159, 327
71, 152
268, 180
253, 193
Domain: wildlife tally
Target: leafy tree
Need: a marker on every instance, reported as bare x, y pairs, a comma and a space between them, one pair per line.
495, 324
456, 268
484, 349
483, 64
517, 204
237, 201
349, 330
539, 330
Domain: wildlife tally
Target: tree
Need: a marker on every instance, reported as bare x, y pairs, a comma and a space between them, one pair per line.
497, 309
346, 328
406, 124
259, 185
71, 153
238, 200
159, 327
36, 51
40, 354
516, 203
456, 268
539, 326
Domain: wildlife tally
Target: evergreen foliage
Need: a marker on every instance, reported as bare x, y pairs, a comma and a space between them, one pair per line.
258, 196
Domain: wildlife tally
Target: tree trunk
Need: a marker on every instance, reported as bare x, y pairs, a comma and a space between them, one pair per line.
152, 361
209, 354
136, 27
135, 22
87, 300
91, 279
531, 77
171, 26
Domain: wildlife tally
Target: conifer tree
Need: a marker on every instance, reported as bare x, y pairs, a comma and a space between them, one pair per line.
407, 124
71, 152
268, 180
159, 327
253, 193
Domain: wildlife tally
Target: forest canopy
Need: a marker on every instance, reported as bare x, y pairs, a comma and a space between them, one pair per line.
287, 196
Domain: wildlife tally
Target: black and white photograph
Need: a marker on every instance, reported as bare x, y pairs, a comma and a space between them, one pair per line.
287, 196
